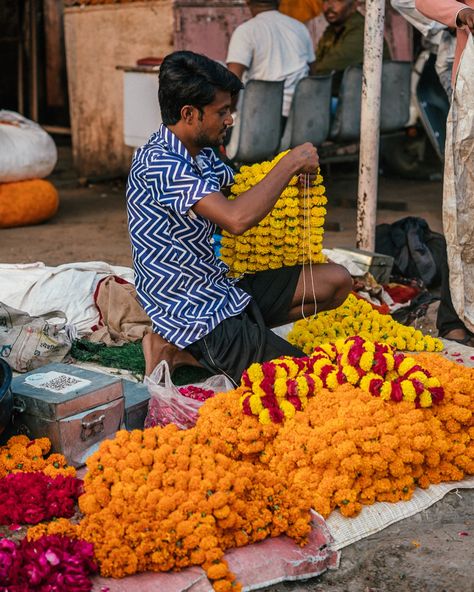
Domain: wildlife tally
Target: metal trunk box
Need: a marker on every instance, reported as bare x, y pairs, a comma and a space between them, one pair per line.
379, 265
73, 407
136, 404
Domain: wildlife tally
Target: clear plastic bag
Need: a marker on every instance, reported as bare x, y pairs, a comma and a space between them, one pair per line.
168, 405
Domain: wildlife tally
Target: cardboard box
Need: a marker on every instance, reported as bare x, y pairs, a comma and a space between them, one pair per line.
73, 407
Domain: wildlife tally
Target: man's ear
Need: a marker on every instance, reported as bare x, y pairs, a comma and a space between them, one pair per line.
188, 113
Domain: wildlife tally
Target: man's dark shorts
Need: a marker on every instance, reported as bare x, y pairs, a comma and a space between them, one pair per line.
239, 341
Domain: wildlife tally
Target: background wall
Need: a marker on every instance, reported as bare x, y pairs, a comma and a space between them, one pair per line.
98, 39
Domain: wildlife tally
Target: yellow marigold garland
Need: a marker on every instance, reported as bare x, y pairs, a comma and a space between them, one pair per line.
292, 233
20, 454
358, 317
163, 499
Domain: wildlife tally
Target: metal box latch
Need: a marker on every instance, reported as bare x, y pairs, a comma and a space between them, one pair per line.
93, 427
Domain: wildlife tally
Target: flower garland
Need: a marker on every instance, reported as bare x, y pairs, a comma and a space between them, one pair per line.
276, 390
292, 233
357, 317
25, 455
29, 498
165, 499
49, 563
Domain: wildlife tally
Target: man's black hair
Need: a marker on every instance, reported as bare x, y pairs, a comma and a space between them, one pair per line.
188, 78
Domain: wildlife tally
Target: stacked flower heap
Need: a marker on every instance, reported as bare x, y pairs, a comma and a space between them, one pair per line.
358, 317
35, 487
291, 233
21, 454
276, 390
49, 563
164, 499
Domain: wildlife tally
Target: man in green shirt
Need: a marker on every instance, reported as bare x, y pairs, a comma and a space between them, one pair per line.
342, 43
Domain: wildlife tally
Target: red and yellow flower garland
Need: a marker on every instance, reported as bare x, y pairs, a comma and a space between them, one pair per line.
276, 390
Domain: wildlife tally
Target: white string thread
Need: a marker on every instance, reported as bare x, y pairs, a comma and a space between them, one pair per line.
307, 237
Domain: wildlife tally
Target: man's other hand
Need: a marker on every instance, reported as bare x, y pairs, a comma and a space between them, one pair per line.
466, 17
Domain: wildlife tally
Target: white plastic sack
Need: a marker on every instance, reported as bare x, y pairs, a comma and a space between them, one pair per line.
26, 150
29, 342
458, 198
168, 405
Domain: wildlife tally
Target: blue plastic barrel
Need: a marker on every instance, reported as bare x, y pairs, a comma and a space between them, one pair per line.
6, 399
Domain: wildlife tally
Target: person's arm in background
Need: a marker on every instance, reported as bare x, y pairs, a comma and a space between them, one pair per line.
425, 25
239, 56
310, 55
449, 12
238, 70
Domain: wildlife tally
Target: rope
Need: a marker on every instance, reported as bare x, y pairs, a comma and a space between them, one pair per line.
308, 237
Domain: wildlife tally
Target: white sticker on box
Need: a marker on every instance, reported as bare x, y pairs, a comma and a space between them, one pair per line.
57, 382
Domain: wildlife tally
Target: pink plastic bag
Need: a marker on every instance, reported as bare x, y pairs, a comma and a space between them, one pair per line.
168, 405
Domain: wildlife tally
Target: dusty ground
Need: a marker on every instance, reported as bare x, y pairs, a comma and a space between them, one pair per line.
425, 552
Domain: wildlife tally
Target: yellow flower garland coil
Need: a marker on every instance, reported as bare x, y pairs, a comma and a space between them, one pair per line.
358, 317
290, 234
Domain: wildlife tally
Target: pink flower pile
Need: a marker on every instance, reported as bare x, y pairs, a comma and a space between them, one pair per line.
50, 564
30, 498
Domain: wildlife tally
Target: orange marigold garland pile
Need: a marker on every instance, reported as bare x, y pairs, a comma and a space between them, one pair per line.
164, 499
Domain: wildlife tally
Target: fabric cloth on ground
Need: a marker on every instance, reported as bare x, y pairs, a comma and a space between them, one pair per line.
416, 249
458, 196
121, 318
37, 289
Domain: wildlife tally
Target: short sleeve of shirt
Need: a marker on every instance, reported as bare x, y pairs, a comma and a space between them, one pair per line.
224, 172
174, 183
240, 47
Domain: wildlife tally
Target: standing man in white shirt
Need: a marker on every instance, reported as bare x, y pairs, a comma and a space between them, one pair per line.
271, 46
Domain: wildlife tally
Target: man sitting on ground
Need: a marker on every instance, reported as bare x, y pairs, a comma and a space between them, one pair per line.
174, 202
342, 43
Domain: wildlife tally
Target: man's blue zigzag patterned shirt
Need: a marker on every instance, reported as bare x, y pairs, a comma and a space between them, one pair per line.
181, 284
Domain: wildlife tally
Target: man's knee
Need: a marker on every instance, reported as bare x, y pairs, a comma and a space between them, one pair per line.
342, 283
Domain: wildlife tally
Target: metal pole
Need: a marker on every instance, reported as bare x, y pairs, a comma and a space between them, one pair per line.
370, 123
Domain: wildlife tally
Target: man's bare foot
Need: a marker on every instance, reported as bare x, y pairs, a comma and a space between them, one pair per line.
459, 335
156, 349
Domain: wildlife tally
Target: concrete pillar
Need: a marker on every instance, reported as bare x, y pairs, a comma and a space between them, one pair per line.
370, 123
